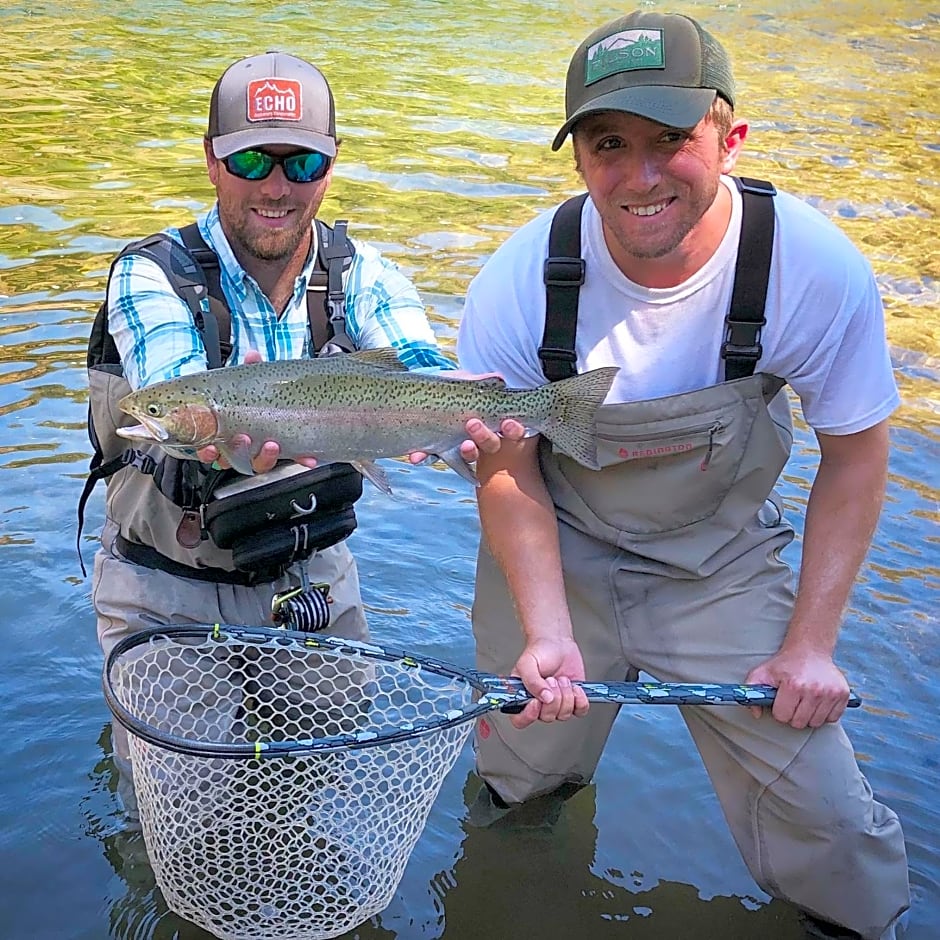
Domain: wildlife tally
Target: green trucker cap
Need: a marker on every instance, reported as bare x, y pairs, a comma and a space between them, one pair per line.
661, 66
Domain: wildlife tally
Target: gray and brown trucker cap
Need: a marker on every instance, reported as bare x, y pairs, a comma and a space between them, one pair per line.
661, 66
274, 98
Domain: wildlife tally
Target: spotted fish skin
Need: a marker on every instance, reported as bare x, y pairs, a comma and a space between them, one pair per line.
356, 408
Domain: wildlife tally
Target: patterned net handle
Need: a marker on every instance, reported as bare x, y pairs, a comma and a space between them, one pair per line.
650, 693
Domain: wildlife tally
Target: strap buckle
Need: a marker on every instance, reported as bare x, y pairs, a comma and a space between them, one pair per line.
557, 355
758, 187
747, 333
732, 351
145, 463
563, 272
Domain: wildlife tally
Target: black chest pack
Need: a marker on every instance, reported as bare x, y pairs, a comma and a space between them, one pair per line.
564, 273
268, 525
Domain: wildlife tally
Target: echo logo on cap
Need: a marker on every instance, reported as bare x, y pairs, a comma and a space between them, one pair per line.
271, 99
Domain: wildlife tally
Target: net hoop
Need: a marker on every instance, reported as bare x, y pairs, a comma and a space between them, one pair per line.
484, 697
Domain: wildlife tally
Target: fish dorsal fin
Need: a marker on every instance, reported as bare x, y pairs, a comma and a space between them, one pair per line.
383, 358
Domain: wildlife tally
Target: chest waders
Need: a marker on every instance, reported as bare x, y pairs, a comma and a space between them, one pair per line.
266, 525
670, 557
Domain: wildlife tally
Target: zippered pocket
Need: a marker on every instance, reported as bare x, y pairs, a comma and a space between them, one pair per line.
658, 476
668, 443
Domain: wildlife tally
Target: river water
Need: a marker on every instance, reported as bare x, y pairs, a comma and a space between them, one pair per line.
446, 109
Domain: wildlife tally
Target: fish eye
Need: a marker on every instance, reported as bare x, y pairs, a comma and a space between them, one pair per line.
153, 410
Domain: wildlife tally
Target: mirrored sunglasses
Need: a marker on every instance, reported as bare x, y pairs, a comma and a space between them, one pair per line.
307, 167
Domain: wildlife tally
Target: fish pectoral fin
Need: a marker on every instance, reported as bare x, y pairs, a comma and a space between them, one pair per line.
454, 459
384, 357
374, 474
238, 455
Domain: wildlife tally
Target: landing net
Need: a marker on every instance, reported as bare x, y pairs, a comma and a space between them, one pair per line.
281, 792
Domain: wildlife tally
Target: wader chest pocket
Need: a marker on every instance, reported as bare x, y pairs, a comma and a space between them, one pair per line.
652, 446
662, 475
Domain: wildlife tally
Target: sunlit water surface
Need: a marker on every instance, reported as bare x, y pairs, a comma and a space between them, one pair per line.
446, 110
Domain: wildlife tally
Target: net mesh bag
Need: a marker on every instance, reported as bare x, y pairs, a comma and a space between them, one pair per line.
280, 792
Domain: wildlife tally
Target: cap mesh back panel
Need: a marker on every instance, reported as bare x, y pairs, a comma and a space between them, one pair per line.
716, 66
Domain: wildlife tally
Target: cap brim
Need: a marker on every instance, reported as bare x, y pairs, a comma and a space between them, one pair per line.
666, 104
227, 144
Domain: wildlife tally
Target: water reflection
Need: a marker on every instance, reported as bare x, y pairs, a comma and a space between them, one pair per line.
542, 881
136, 909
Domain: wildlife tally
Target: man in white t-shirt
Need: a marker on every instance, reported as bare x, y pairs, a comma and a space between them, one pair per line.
667, 558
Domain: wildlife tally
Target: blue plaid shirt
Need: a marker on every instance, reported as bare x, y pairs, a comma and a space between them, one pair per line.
157, 338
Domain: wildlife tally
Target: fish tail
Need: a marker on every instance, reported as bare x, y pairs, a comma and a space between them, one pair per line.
571, 425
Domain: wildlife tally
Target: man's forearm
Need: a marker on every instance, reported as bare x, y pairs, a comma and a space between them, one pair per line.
521, 531
844, 505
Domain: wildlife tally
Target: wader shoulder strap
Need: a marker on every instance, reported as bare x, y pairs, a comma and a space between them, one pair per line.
326, 296
181, 270
742, 349
217, 328
563, 275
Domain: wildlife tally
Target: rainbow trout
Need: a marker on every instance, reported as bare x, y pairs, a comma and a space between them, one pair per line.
356, 408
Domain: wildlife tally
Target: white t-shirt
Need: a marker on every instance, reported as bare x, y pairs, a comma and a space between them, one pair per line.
824, 333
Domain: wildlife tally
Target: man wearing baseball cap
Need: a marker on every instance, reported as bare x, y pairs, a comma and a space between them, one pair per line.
287, 286
711, 294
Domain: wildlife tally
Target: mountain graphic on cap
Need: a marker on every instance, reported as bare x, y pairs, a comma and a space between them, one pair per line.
661, 66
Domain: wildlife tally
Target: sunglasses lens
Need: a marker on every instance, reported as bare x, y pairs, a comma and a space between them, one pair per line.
250, 164
306, 167
298, 168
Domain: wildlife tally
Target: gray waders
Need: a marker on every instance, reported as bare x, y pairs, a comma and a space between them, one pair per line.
671, 559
